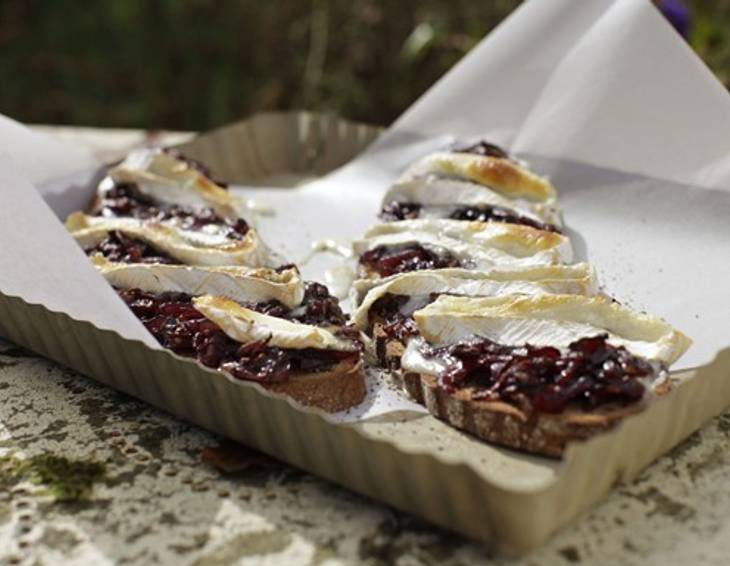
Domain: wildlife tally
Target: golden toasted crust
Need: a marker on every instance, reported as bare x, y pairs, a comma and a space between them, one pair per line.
158, 166
488, 244
525, 236
332, 391
504, 424
502, 235
502, 175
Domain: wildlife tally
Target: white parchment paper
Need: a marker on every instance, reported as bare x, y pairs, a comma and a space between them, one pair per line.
41, 263
602, 95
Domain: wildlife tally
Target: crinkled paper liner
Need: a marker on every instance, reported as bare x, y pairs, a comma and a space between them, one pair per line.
507, 500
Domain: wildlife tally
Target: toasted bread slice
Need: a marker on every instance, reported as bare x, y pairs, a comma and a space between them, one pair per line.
501, 423
388, 351
333, 391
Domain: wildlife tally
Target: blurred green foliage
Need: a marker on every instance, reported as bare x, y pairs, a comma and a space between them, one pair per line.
197, 64
710, 35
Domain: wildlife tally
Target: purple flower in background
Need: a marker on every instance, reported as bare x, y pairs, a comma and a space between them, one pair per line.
678, 14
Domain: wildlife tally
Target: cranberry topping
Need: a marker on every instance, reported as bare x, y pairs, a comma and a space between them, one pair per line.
389, 260
400, 211
395, 324
125, 199
318, 307
498, 214
482, 148
590, 373
173, 320
408, 210
123, 249
395, 315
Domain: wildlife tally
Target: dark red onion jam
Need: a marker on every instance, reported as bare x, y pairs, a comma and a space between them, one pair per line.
397, 210
395, 316
481, 148
125, 199
177, 325
318, 307
499, 214
396, 323
121, 248
389, 260
590, 373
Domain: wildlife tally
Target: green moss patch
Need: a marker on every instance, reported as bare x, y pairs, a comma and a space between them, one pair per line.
66, 480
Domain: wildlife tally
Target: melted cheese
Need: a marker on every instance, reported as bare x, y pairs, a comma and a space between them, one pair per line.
484, 244
167, 179
187, 246
502, 175
549, 320
240, 284
440, 196
413, 360
578, 279
245, 325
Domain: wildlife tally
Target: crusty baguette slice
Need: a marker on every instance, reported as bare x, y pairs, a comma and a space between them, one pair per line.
332, 391
501, 423
388, 351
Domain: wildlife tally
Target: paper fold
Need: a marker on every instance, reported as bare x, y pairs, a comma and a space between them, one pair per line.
491, 91
42, 158
632, 96
607, 83
42, 263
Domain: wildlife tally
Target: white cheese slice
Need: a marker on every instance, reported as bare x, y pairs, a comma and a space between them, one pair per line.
483, 245
413, 359
549, 320
167, 179
187, 246
506, 177
244, 325
240, 284
440, 196
571, 279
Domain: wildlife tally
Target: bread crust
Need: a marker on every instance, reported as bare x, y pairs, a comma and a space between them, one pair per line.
501, 423
333, 391
387, 350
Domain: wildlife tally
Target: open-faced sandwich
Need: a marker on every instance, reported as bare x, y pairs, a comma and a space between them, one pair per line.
158, 207
473, 182
468, 296
259, 325
536, 372
168, 237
